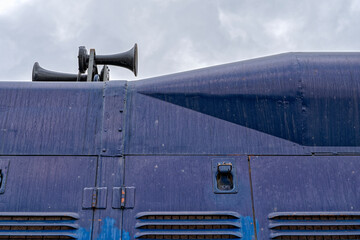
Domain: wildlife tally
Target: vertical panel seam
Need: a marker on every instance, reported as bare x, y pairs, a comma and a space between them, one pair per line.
252, 199
98, 159
300, 96
123, 152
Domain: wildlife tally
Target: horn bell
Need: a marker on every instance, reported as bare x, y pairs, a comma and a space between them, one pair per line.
40, 74
127, 59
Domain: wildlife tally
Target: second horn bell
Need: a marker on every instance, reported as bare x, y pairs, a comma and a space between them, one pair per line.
127, 59
40, 74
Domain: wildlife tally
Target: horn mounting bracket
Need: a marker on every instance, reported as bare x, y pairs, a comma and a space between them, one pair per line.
87, 62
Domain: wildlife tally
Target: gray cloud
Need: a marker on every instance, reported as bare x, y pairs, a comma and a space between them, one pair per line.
173, 36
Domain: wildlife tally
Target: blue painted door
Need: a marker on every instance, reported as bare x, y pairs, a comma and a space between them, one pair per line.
176, 197
303, 197
43, 196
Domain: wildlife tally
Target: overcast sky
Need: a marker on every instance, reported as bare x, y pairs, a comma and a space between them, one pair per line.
172, 35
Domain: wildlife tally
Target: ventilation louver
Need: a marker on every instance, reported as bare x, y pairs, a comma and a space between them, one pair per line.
38, 225
314, 225
188, 225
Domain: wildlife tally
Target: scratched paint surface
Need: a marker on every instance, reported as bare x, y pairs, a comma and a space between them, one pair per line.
109, 230
49, 184
185, 183
50, 118
294, 103
247, 228
108, 220
63, 137
304, 184
83, 234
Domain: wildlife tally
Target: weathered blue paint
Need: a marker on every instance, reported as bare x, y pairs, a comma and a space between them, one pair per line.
247, 227
262, 106
292, 103
110, 175
160, 135
113, 118
40, 184
50, 119
304, 184
182, 183
109, 230
83, 234
125, 235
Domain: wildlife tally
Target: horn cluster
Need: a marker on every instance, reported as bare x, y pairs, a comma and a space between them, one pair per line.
88, 62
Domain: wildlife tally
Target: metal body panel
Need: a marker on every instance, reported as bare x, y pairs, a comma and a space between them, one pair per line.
331, 92
158, 127
113, 118
272, 102
49, 184
175, 184
61, 118
50, 119
303, 184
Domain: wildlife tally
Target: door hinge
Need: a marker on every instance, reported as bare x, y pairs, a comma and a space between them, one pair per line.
94, 197
123, 197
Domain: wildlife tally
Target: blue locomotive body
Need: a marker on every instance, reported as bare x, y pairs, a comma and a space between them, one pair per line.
258, 149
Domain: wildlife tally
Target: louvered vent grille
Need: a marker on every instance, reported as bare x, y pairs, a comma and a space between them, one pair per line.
38, 225
315, 225
188, 225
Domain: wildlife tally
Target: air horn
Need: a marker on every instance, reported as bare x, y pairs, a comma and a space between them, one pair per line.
40, 74
127, 59
89, 62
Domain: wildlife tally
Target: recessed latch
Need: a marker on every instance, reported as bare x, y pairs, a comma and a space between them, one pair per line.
224, 176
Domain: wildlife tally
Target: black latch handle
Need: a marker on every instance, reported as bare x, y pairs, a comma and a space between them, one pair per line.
224, 167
